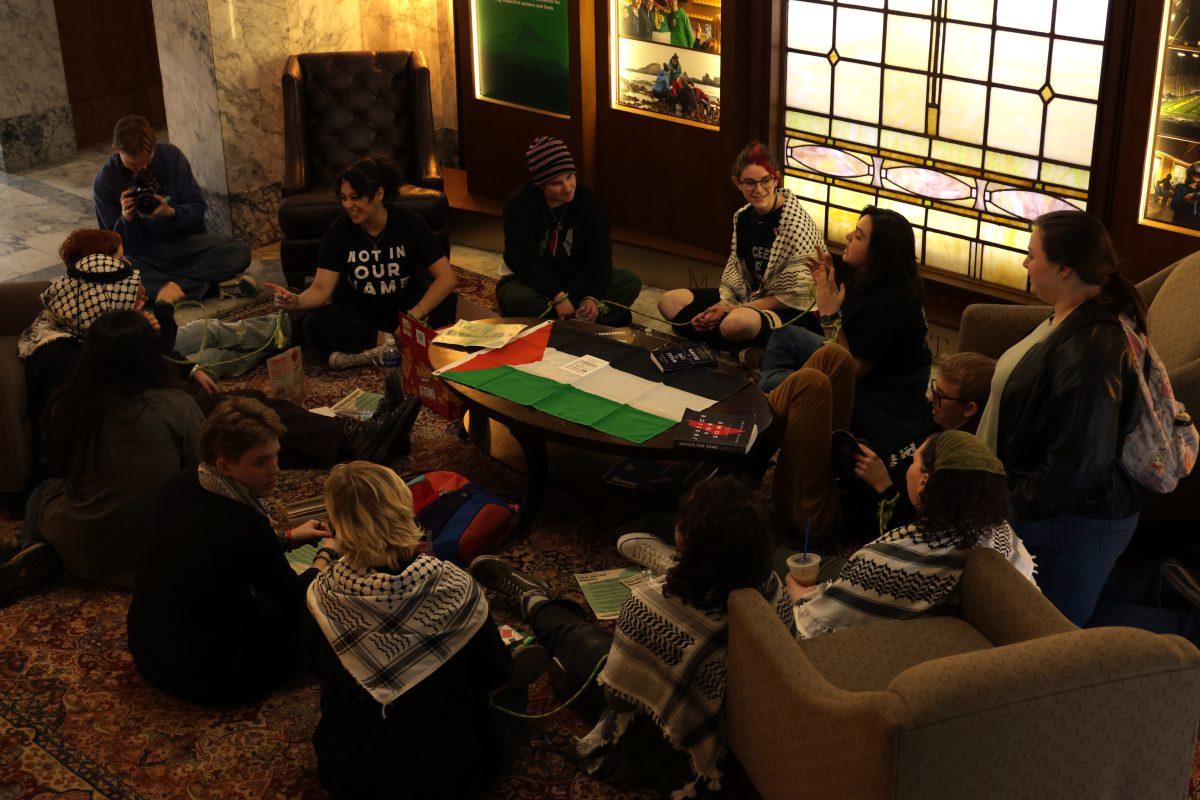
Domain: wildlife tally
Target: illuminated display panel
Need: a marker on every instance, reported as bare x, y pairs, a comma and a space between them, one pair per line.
969, 117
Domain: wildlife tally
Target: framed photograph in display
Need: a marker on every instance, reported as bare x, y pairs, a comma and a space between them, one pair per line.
522, 54
666, 59
1171, 182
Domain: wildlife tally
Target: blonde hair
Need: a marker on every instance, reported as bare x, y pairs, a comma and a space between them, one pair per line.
236, 425
372, 514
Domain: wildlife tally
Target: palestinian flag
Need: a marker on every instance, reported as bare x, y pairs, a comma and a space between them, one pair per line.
592, 380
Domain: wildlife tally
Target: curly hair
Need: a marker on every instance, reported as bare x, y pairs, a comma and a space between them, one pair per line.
88, 242
958, 505
726, 544
370, 174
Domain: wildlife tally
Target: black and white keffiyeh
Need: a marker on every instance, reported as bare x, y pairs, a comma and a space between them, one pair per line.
668, 661
95, 285
787, 275
393, 631
216, 483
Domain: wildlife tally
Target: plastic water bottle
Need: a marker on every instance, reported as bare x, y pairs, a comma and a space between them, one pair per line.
391, 354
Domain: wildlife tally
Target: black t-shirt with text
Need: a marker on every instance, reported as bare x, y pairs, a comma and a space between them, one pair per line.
756, 237
384, 274
887, 329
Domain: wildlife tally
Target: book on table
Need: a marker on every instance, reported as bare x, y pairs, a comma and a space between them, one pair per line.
724, 433
671, 358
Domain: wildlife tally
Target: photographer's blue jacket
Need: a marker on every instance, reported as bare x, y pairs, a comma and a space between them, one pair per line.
176, 183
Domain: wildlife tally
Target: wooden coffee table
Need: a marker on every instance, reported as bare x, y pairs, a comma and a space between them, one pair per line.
533, 429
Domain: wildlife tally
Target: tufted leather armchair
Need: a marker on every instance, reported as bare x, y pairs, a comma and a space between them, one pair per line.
21, 303
1005, 699
337, 108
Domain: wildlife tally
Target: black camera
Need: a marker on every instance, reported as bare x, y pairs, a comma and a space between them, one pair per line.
145, 187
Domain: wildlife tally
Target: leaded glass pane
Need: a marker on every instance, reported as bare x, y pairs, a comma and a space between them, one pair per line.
854, 132
904, 143
1074, 68
972, 10
860, 34
856, 93
1080, 18
1004, 267
912, 6
914, 214
1069, 131
1066, 176
808, 84
840, 222
958, 153
1015, 122
963, 108
947, 252
1020, 60
904, 100
809, 123
1025, 15
968, 50
810, 27
954, 223
1009, 164
908, 42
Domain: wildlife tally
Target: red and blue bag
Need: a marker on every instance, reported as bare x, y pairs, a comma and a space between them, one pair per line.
464, 520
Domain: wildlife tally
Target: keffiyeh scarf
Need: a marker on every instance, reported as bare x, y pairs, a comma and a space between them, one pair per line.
216, 483
668, 661
899, 576
94, 286
393, 631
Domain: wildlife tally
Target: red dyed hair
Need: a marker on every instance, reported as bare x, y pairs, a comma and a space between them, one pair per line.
88, 242
756, 153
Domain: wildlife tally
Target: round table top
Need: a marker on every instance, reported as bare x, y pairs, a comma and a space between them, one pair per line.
747, 400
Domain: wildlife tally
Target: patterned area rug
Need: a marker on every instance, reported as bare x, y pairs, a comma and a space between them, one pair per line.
77, 721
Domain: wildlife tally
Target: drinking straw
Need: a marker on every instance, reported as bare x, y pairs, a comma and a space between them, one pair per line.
807, 528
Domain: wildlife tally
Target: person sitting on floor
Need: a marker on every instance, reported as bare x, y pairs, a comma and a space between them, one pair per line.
376, 262
98, 280
163, 229
218, 613
659, 720
956, 399
558, 247
407, 653
121, 427
960, 494
767, 282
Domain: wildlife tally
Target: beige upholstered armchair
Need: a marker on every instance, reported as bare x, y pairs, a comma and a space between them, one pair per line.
1173, 297
20, 302
1006, 699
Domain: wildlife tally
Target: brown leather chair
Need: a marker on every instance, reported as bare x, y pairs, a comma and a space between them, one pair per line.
337, 108
21, 303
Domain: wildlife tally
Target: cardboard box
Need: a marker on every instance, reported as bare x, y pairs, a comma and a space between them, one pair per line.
419, 380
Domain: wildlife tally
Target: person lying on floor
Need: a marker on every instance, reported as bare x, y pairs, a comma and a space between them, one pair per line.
663, 684
960, 494
376, 262
98, 280
217, 614
957, 397
767, 281
121, 426
407, 654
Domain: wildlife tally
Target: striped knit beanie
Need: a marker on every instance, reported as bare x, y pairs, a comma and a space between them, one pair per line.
548, 158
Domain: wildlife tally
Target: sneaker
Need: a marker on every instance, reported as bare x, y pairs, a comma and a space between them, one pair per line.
1176, 576
518, 588
751, 358
649, 551
367, 358
27, 570
241, 286
382, 439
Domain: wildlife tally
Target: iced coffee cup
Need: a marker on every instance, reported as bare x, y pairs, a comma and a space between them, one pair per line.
803, 568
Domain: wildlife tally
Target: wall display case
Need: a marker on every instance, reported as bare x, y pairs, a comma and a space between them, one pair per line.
522, 54
665, 59
970, 118
1171, 186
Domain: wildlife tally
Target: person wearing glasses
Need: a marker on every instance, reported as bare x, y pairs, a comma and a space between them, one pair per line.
767, 282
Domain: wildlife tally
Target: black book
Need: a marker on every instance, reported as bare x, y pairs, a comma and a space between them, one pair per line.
726, 433
670, 358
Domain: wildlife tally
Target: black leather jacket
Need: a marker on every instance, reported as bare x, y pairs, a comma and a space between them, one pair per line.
1063, 416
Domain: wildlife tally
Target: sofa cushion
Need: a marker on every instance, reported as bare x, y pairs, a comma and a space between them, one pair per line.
1173, 328
867, 658
306, 215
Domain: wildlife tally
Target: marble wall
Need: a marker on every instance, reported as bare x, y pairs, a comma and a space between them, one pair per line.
222, 63
36, 125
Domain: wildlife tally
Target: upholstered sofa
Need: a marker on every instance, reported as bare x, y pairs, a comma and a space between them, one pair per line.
1004, 699
1173, 296
337, 108
21, 302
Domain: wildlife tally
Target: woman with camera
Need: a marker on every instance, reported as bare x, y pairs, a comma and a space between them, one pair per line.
376, 262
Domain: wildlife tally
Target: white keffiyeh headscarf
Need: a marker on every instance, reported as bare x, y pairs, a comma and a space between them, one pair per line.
95, 285
393, 631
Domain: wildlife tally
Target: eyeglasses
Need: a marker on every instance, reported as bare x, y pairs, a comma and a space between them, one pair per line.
749, 184
937, 396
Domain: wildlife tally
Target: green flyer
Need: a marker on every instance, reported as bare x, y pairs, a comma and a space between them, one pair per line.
522, 53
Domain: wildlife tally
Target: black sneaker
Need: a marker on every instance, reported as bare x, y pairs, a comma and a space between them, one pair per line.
383, 439
520, 589
27, 570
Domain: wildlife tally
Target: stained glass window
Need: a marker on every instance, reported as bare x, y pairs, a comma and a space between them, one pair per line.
969, 117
